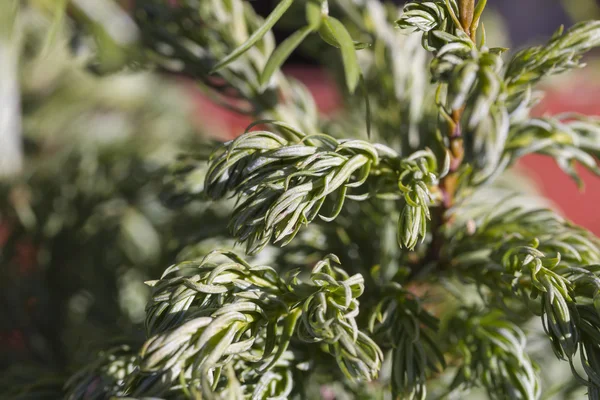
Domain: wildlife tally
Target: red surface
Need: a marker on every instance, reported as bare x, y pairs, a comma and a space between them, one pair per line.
575, 95
581, 206
218, 121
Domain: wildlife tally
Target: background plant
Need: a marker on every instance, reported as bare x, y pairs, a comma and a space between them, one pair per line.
401, 261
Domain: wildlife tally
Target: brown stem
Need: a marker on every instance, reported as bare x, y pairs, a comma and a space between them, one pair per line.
456, 147
449, 183
466, 9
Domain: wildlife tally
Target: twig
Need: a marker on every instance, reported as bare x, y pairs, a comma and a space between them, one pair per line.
449, 183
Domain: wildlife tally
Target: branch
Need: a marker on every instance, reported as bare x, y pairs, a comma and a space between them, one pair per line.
568, 138
493, 355
562, 53
282, 185
221, 313
400, 322
537, 255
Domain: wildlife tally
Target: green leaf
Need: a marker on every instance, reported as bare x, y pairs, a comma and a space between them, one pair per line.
315, 13
284, 340
343, 38
328, 37
282, 52
477, 14
367, 104
57, 23
361, 45
256, 36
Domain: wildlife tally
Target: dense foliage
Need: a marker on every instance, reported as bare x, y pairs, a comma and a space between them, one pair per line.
378, 253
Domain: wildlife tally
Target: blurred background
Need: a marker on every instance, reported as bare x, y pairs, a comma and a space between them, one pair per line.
81, 187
